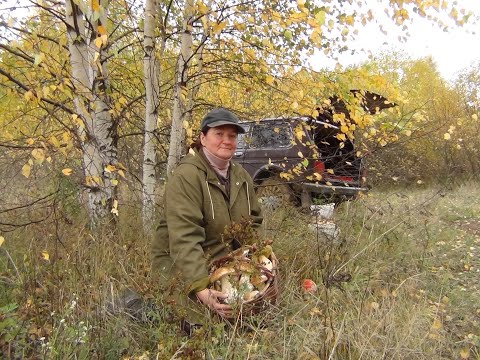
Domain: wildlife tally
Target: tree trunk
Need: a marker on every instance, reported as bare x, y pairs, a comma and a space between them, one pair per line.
96, 131
177, 135
152, 87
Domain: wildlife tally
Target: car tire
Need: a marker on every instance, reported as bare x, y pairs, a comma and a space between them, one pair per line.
274, 192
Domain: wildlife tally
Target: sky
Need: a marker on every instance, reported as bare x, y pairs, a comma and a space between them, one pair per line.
452, 51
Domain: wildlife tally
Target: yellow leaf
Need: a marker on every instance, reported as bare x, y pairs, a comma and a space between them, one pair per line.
95, 5
30, 141
475, 117
2, 240
330, 171
328, 183
54, 141
465, 353
344, 128
101, 30
202, 8
300, 154
446, 136
299, 133
39, 155
122, 174
341, 137
29, 95
217, 28
269, 79
67, 171
38, 59
93, 181
45, 255
437, 324
408, 132
115, 182
98, 42
350, 20
26, 170
110, 168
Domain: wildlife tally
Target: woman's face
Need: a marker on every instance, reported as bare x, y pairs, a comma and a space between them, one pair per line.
221, 141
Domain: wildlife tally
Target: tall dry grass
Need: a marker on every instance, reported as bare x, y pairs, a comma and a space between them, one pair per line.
399, 282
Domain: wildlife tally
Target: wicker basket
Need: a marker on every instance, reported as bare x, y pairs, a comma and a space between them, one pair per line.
266, 297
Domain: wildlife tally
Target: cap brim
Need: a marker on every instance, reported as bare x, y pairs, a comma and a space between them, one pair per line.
241, 129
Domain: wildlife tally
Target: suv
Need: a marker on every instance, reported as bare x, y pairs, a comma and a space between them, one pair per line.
294, 160
297, 159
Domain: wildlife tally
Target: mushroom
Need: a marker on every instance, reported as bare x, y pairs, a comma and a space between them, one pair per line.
241, 254
259, 281
221, 272
228, 289
244, 267
244, 284
265, 262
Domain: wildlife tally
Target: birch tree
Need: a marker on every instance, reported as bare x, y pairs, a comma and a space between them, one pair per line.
87, 41
151, 67
177, 136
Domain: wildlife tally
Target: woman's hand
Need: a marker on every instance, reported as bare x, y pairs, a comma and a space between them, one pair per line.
212, 299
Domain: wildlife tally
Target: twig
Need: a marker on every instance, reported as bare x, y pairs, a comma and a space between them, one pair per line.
179, 350
337, 339
11, 261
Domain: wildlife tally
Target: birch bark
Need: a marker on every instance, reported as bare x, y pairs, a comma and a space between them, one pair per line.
96, 131
177, 135
151, 68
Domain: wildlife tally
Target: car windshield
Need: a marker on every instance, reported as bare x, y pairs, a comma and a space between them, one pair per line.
271, 135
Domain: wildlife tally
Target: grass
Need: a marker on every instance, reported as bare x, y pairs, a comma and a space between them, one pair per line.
400, 282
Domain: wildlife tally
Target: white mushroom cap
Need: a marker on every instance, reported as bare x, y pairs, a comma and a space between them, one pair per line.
265, 262
221, 272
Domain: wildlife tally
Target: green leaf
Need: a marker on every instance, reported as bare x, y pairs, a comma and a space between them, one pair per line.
320, 17
288, 35
39, 58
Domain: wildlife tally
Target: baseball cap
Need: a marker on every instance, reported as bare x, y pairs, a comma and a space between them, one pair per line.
219, 117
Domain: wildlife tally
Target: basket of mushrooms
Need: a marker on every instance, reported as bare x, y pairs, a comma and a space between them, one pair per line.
249, 276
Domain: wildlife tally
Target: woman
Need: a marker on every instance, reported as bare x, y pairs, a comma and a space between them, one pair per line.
205, 194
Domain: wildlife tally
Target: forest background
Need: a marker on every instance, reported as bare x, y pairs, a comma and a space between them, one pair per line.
98, 100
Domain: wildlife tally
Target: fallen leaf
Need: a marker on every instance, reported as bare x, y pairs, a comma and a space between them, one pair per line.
465, 353
45, 255
26, 170
437, 324
67, 171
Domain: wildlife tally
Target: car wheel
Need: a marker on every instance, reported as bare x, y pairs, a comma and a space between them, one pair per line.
275, 192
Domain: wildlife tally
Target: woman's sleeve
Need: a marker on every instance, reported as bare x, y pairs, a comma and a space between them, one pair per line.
184, 214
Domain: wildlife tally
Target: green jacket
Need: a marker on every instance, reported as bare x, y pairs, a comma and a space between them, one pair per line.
197, 211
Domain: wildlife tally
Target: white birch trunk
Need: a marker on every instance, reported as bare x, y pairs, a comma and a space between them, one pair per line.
96, 130
152, 88
177, 135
